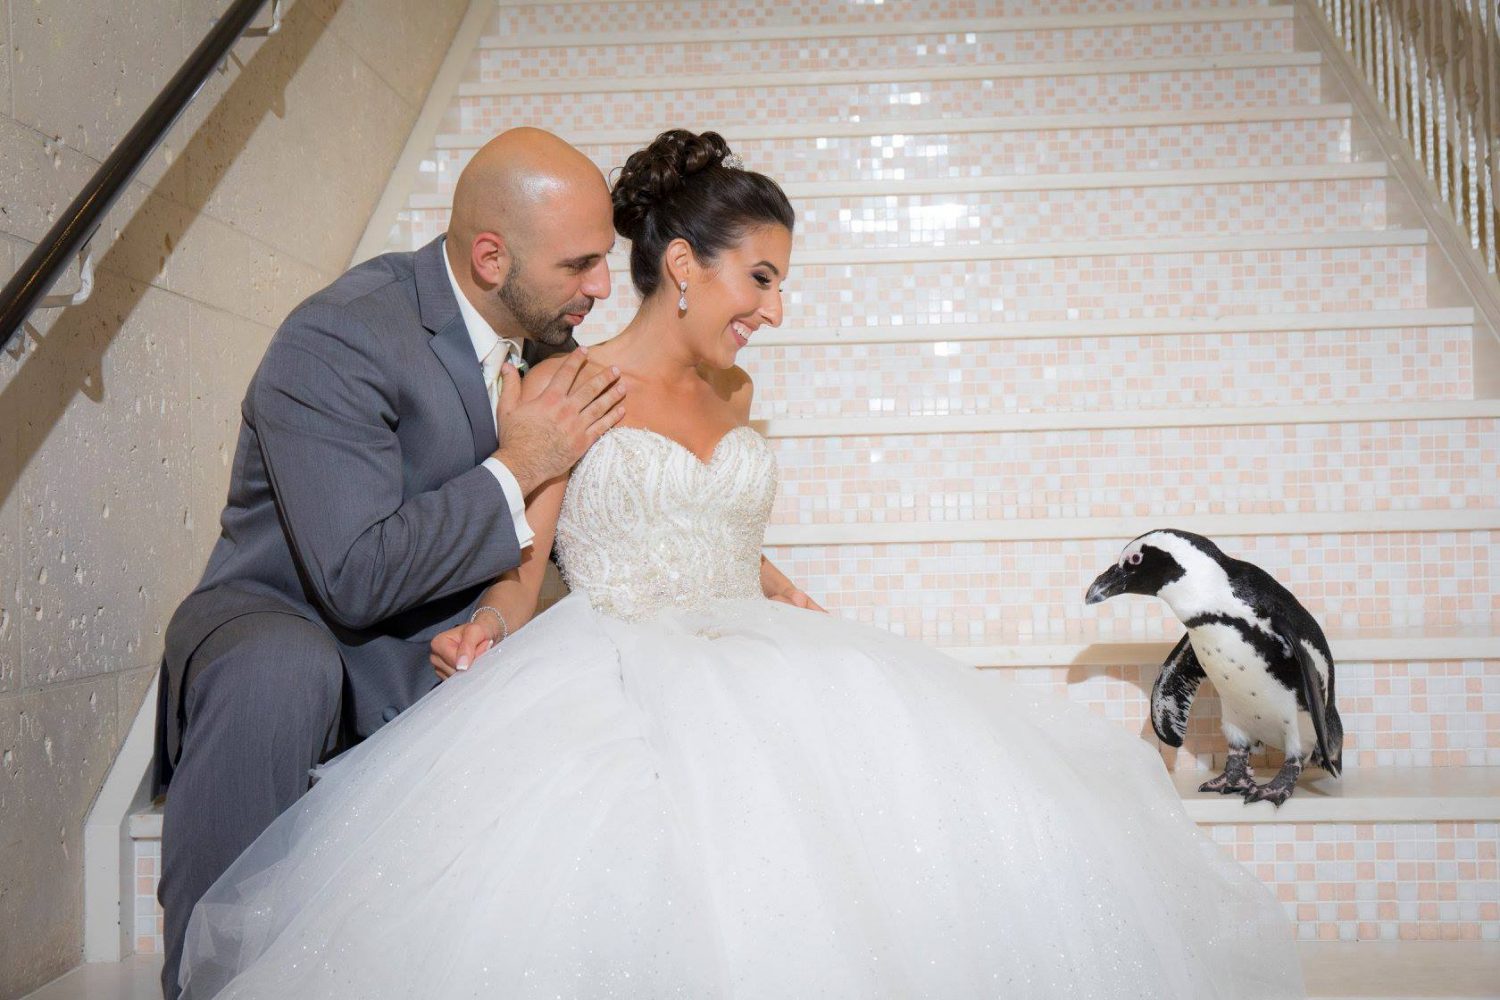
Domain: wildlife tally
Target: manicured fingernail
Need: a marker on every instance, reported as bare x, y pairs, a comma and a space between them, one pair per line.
614, 370
463, 663
485, 647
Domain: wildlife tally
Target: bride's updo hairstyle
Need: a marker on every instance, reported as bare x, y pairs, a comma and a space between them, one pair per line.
680, 187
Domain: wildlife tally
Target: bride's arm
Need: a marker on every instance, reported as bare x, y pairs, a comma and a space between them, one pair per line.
775, 584
514, 595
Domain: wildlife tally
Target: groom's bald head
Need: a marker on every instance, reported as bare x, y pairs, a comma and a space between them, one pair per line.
531, 223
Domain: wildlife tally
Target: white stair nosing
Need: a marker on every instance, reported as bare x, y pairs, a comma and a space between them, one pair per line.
1138, 247
831, 78
1124, 528
1373, 319
1044, 653
1190, 177
1389, 795
875, 29
1042, 421
1405, 795
928, 126
1124, 179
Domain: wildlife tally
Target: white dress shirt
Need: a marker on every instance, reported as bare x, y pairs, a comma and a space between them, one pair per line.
484, 337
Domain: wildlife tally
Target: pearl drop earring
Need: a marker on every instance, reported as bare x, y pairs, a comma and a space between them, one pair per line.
682, 301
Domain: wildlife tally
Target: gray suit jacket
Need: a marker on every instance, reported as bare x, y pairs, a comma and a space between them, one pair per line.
357, 500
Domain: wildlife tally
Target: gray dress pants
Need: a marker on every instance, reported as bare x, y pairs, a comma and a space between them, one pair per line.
261, 698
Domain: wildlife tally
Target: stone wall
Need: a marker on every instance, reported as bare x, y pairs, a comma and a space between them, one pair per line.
118, 417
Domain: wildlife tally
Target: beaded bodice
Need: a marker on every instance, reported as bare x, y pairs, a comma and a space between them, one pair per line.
645, 525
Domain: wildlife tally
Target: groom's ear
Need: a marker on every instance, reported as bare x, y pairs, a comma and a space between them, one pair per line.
489, 258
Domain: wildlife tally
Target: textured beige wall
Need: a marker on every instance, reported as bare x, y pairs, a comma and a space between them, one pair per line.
118, 417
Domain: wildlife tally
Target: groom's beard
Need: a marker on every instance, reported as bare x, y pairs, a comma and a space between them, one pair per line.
546, 326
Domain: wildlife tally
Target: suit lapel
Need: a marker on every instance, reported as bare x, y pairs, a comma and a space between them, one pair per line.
451, 343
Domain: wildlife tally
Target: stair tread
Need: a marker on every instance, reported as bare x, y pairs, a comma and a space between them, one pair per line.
1371, 795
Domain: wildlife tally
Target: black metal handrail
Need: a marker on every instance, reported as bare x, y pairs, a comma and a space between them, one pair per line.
51, 256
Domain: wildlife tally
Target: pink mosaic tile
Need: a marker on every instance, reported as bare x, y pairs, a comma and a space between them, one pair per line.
938, 377
1101, 213
1394, 714
145, 910
957, 47
724, 108
1142, 285
1016, 591
903, 156
1376, 881
575, 21
1151, 473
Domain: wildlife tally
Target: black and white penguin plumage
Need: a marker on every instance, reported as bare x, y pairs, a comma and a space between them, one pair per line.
1259, 647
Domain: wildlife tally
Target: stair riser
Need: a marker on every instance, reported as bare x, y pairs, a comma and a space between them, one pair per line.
1028, 152
1376, 881
1102, 374
1019, 591
722, 109
576, 23
936, 50
1035, 216
1149, 473
1009, 217
1219, 283
1405, 714
1345, 881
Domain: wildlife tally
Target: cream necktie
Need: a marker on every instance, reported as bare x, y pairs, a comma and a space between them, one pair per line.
502, 350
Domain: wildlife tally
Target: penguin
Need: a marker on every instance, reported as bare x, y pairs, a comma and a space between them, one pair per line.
1249, 637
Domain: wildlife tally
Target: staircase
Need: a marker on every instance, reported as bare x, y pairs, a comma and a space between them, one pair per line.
1065, 271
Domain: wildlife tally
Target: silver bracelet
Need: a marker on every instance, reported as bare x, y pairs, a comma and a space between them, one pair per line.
504, 625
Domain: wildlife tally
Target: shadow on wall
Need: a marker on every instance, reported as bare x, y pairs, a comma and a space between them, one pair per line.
66, 358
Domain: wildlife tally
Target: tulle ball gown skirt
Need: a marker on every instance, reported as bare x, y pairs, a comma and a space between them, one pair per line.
741, 801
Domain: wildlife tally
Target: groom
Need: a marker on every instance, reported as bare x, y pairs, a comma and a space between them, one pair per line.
375, 492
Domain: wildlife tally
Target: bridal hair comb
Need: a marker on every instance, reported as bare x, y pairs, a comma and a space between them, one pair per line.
733, 162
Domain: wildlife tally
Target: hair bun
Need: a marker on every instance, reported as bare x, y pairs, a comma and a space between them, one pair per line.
654, 174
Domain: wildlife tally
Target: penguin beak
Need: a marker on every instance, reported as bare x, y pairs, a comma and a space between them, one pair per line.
1110, 583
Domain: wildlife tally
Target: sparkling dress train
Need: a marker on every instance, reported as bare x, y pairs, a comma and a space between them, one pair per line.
666, 785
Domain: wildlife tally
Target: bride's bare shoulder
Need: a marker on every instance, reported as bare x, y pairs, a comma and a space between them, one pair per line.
542, 373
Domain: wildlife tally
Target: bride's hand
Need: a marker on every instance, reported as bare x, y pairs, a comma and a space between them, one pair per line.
455, 649
798, 599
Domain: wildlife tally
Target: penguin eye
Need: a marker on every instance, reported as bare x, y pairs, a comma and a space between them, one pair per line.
1134, 558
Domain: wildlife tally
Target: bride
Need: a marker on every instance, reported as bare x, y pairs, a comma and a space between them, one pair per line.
668, 785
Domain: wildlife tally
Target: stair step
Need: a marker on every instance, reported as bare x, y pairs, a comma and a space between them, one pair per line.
1012, 373
1354, 572
1364, 970
875, 332
1179, 469
1105, 279
728, 101
1422, 712
887, 30
874, 127
1084, 648
654, 83
1125, 528
1406, 970
1043, 421
610, 20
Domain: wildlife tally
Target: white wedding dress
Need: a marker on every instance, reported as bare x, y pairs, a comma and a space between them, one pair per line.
666, 785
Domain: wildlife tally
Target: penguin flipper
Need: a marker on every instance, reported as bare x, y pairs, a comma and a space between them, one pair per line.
1172, 694
1315, 697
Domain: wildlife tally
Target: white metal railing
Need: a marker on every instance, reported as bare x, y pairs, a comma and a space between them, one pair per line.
1435, 64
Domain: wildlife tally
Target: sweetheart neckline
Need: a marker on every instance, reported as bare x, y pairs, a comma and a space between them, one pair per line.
713, 453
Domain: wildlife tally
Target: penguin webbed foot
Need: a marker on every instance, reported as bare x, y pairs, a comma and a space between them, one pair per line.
1280, 788
1236, 779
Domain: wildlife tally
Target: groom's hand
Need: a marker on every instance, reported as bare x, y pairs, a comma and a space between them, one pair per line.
545, 434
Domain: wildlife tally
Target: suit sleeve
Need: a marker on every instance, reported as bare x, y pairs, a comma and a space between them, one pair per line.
325, 412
